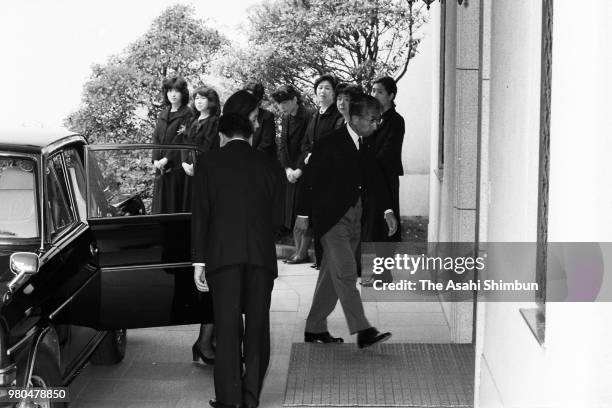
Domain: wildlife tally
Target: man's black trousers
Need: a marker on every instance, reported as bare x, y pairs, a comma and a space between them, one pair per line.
235, 290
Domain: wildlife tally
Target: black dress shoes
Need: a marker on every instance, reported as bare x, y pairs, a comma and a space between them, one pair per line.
217, 404
384, 277
295, 261
370, 337
324, 337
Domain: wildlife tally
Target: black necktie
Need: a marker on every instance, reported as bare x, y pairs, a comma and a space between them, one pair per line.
360, 143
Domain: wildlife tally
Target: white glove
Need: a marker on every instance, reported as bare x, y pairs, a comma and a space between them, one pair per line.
188, 168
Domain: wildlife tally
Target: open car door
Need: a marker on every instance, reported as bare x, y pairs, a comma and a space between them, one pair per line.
142, 232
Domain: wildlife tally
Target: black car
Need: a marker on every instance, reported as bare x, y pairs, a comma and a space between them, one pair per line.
82, 258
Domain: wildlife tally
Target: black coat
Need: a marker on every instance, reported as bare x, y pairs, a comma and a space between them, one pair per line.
171, 131
168, 189
293, 131
203, 133
264, 138
386, 144
339, 174
320, 125
235, 208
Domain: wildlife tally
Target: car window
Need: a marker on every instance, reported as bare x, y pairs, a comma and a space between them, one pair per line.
132, 185
18, 209
76, 175
60, 215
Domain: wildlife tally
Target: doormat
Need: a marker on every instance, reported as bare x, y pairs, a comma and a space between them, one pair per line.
388, 375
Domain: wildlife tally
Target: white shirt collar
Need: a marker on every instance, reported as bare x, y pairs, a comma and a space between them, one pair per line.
239, 138
353, 135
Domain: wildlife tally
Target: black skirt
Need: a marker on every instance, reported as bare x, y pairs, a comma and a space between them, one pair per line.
292, 198
168, 192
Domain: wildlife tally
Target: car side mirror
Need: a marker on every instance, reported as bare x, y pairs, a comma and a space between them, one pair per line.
23, 265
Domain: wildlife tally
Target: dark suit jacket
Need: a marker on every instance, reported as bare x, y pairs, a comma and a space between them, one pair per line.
388, 141
338, 175
235, 208
264, 138
386, 144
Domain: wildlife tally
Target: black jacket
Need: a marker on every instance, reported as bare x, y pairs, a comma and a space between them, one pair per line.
387, 142
235, 208
204, 133
321, 125
264, 138
293, 131
339, 174
171, 131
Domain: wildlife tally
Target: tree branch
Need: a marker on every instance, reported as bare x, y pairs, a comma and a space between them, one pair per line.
411, 46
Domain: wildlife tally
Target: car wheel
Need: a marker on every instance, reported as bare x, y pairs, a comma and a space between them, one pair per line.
112, 349
46, 374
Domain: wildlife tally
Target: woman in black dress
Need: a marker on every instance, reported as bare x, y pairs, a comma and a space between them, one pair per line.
168, 190
202, 132
293, 130
325, 120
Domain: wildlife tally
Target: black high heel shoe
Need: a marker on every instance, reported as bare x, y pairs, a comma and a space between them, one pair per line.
198, 355
295, 261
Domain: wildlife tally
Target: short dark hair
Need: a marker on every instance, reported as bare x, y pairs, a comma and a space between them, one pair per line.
361, 104
256, 88
176, 83
214, 106
241, 102
351, 90
233, 124
286, 93
389, 84
326, 77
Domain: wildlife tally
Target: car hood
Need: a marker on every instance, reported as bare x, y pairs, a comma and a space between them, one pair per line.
6, 275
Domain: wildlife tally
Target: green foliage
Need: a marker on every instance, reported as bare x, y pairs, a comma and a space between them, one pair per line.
112, 98
126, 173
293, 42
121, 99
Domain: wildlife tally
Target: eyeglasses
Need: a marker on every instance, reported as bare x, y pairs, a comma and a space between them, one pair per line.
375, 120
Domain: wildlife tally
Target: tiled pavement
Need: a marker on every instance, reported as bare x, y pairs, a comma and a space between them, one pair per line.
157, 370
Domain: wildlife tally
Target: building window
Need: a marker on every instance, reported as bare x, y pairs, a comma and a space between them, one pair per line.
536, 318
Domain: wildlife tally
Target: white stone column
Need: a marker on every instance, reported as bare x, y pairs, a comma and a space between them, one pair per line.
483, 174
461, 135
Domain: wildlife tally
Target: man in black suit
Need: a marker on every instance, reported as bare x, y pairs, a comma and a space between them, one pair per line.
386, 145
342, 177
235, 205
